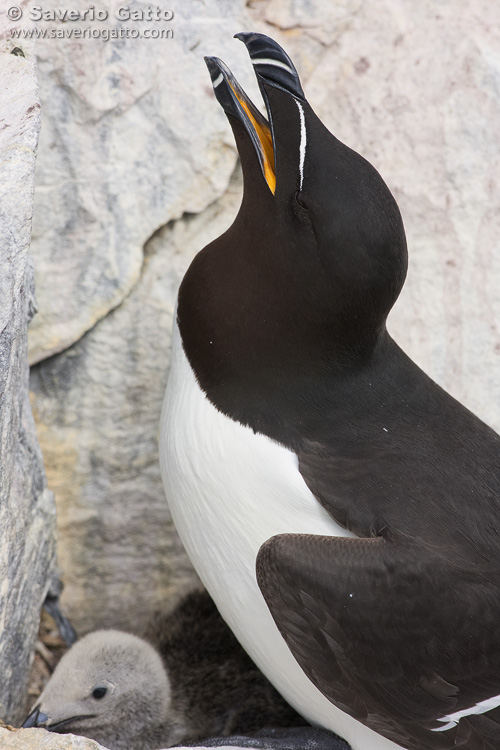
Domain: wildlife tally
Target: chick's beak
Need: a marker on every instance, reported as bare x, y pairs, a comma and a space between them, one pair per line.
35, 719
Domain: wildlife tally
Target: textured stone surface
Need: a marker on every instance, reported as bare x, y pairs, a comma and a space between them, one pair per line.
121, 154
27, 513
97, 406
40, 739
133, 139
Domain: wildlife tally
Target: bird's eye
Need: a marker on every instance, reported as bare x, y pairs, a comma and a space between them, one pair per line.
99, 692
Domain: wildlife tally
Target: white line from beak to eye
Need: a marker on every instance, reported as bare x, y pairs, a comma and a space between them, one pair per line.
218, 80
269, 61
303, 141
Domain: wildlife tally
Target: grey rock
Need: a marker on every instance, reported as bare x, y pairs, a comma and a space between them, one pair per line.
121, 154
40, 739
97, 406
27, 512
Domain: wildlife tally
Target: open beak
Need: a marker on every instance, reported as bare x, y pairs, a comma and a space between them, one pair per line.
272, 66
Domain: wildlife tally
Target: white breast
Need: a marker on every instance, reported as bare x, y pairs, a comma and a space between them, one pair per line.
229, 490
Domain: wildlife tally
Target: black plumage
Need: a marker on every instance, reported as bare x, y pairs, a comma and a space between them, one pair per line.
283, 320
215, 684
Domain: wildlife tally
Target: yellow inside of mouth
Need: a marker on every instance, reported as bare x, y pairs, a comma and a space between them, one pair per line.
266, 142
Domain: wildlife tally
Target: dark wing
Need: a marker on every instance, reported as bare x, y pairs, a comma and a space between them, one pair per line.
383, 631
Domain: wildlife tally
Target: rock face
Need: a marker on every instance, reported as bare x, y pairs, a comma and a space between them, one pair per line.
132, 180
27, 512
117, 546
40, 739
122, 153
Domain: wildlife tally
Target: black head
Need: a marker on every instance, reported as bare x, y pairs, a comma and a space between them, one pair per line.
306, 275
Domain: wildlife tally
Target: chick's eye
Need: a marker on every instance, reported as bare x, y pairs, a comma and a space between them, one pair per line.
99, 692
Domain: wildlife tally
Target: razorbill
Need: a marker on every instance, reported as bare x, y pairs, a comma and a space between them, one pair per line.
188, 680
341, 508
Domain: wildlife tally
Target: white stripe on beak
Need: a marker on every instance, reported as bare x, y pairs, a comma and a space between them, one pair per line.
269, 61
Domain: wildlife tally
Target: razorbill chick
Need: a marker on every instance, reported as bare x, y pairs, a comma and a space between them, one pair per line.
192, 680
340, 507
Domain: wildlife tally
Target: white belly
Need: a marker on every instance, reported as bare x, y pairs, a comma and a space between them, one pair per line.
229, 490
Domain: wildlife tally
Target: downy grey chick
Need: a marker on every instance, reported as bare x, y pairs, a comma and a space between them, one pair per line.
193, 680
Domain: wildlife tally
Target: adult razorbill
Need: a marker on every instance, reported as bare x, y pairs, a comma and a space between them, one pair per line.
341, 508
